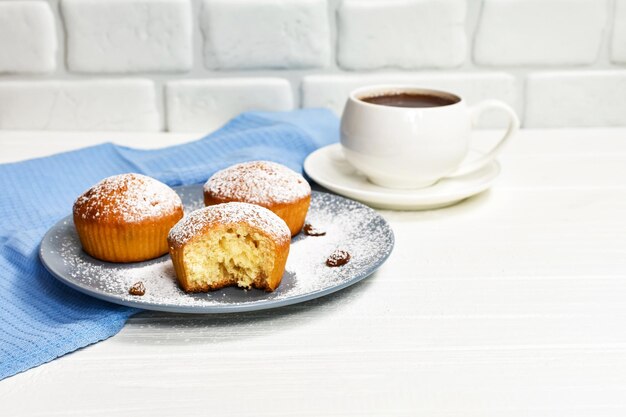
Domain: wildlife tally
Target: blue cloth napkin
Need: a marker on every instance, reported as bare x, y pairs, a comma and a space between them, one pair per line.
42, 319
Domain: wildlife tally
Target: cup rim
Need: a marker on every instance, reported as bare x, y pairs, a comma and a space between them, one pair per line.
358, 94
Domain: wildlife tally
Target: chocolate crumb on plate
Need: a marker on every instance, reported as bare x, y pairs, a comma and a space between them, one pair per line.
137, 289
311, 230
338, 258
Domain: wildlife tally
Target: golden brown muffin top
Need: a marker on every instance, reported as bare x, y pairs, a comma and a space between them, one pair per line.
235, 213
127, 198
258, 182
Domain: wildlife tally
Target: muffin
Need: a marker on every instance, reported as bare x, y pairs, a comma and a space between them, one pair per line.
230, 244
264, 183
126, 218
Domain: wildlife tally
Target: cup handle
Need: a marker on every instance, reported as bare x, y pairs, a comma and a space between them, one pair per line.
475, 112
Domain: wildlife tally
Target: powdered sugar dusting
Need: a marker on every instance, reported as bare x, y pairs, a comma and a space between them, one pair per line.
129, 197
349, 226
258, 182
229, 213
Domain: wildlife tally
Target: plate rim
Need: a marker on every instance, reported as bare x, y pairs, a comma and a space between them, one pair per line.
225, 309
415, 201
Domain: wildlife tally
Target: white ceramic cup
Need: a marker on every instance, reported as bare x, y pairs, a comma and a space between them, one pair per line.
414, 147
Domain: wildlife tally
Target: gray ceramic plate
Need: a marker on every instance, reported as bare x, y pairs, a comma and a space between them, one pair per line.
349, 226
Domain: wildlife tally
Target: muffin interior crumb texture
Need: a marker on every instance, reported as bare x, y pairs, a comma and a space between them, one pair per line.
229, 256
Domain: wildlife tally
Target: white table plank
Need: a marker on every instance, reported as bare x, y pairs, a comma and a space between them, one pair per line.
511, 303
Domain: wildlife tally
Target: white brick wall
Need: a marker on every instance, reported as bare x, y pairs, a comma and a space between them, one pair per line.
618, 43
79, 105
205, 105
265, 33
27, 37
402, 33
128, 35
540, 32
194, 64
577, 99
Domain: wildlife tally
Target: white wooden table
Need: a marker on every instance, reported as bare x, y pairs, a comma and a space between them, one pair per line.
512, 303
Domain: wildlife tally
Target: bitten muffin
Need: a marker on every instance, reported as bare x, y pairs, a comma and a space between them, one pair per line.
229, 244
264, 183
126, 218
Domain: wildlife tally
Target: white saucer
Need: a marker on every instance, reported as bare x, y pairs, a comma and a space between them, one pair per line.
328, 167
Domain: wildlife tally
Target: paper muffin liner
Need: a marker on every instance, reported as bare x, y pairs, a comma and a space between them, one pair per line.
124, 243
